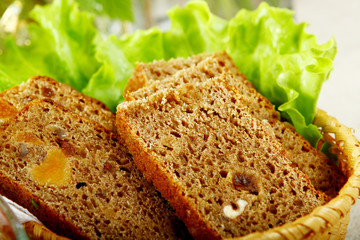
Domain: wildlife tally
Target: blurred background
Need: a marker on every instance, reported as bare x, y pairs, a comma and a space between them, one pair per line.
340, 94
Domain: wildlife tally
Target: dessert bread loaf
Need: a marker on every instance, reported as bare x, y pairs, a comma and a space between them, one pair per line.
221, 168
45, 87
78, 178
323, 173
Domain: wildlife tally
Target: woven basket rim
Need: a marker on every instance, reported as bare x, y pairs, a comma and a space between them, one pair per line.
323, 218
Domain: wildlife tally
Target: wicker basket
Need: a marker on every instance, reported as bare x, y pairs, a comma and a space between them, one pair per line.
326, 222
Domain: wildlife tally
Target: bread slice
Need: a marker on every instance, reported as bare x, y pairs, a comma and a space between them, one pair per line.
78, 178
45, 87
221, 168
158, 70
323, 173
146, 73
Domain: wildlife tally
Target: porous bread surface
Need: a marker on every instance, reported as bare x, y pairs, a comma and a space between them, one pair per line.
40, 87
106, 196
158, 70
324, 175
221, 169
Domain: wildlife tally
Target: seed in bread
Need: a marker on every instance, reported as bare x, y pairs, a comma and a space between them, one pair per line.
78, 178
221, 168
40, 87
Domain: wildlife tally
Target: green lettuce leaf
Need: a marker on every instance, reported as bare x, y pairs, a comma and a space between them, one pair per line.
194, 30
283, 62
73, 35
114, 9
62, 46
109, 81
17, 64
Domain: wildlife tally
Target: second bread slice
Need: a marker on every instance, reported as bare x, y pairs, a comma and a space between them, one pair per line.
221, 169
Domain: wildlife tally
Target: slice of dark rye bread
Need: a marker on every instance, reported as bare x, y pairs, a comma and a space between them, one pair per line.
78, 178
45, 87
221, 169
323, 173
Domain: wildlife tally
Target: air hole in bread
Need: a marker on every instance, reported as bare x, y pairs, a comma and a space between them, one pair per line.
273, 209
125, 169
240, 157
234, 205
47, 92
81, 184
280, 183
305, 149
168, 148
97, 232
271, 167
176, 134
188, 110
223, 173
220, 201
207, 211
